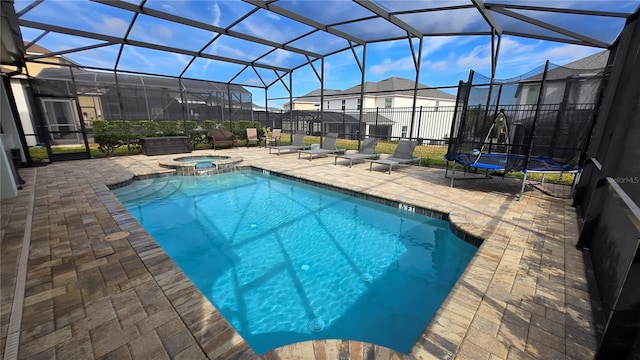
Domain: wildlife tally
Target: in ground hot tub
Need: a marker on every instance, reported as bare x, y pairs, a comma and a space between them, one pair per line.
204, 161
201, 164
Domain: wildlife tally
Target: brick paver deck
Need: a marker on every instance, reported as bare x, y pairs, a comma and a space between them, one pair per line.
98, 286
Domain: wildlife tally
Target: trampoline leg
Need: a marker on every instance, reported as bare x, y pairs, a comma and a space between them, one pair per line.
524, 181
453, 173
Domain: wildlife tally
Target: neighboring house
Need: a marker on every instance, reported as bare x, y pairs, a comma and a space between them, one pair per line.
310, 101
565, 82
256, 107
387, 110
45, 61
567, 106
393, 92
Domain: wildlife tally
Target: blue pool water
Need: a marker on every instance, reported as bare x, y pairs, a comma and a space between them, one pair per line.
286, 262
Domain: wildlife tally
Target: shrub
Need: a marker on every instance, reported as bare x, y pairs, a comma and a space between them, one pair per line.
108, 143
169, 128
208, 124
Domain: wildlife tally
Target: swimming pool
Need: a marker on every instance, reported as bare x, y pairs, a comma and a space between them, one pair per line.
285, 262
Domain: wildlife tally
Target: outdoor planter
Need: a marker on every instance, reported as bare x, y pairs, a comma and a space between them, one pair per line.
165, 145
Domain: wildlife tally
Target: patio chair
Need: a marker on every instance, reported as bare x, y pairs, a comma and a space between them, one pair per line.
367, 151
328, 147
402, 155
252, 135
274, 137
296, 144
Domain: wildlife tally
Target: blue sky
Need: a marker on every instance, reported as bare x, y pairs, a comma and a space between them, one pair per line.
445, 59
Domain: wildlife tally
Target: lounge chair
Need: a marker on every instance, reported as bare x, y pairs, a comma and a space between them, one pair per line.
402, 155
367, 151
252, 135
328, 147
296, 144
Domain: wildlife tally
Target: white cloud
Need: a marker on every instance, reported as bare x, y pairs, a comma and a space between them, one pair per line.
217, 14
141, 61
236, 52
111, 25
479, 57
183, 59
163, 32
388, 65
439, 65
564, 54
511, 46
252, 81
433, 44
521, 56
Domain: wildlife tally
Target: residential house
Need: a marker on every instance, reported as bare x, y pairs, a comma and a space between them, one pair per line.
563, 82
387, 107
310, 101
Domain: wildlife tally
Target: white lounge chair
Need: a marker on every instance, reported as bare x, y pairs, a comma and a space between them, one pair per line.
367, 151
402, 155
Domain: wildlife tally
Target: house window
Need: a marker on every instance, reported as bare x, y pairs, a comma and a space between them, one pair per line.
328, 107
359, 101
437, 105
344, 102
532, 95
388, 102
404, 131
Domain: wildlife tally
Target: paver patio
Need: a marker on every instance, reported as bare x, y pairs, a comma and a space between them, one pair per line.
98, 286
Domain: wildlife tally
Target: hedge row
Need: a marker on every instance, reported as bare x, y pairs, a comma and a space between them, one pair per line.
110, 135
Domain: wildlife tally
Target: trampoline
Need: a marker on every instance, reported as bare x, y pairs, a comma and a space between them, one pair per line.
539, 122
509, 163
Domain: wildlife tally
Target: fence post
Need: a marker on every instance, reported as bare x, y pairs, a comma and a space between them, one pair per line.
376, 122
419, 125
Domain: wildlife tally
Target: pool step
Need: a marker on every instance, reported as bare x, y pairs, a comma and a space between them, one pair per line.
147, 189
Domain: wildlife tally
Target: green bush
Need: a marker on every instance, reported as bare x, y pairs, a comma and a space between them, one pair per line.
208, 124
108, 143
170, 128
111, 135
240, 128
197, 137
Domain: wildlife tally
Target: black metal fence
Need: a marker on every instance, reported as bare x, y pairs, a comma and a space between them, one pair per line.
429, 125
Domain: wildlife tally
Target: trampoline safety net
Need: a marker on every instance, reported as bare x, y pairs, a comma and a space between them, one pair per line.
548, 114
